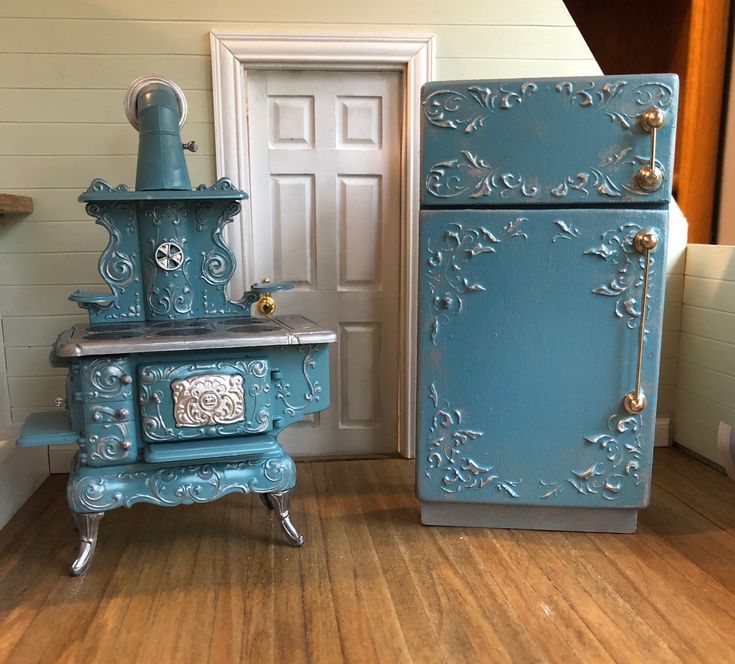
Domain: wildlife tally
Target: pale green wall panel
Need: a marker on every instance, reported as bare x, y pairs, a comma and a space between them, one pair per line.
64, 69
76, 172
670, 345
30, 362
51, 237
461, 68
710, 293
19, 414
50, 139
690, 434
80, 106
408, 12
48, 269
674, 285
39, 301
711, 384
52, 204
29, 331
719, 325
95, 72
711, 262
34, 391
170, 38
716, 355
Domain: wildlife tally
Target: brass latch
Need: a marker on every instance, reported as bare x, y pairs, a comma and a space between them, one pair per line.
645, 243
650, 177
266, 304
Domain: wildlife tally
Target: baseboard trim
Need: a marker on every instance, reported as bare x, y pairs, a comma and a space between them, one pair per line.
662, 435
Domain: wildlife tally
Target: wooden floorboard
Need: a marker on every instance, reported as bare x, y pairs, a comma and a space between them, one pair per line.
215, 582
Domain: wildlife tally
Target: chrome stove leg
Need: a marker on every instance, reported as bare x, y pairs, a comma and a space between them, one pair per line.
280, 501
87, 526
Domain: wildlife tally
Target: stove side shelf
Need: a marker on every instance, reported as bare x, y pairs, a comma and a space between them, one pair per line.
47, 428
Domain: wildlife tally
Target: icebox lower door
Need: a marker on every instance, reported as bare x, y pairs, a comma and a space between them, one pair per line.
528, 338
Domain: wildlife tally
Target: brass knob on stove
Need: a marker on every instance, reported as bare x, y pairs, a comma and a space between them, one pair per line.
266, 304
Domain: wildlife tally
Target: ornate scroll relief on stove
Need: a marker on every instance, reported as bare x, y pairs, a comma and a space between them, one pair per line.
173, 388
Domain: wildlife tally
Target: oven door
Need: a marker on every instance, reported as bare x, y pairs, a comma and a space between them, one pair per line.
185, 400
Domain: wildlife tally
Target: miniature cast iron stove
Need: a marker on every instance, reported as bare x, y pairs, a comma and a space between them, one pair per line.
175, 394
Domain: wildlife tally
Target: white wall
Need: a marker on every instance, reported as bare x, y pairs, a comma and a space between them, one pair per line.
672, 313
705, 392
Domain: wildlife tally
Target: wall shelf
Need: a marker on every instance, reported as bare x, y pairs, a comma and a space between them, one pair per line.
15, 204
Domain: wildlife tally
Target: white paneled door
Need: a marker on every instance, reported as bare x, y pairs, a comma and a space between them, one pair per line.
325, 186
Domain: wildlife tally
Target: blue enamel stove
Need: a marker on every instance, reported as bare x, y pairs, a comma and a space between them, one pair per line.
542, 270
175, 393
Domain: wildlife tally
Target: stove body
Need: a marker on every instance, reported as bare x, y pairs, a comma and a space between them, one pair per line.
175, 394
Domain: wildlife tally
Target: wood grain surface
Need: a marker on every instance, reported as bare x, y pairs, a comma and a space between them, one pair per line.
216, 583
15, 204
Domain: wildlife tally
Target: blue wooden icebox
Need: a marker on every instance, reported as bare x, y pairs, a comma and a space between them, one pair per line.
542, 264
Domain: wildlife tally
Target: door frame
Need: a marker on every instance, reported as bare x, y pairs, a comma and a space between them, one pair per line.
234, 53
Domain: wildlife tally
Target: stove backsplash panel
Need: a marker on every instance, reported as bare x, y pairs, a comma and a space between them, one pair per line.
165, 259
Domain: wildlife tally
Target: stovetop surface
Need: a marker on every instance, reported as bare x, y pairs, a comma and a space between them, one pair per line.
195, 334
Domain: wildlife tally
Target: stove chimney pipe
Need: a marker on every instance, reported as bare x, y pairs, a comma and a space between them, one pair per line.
156, 107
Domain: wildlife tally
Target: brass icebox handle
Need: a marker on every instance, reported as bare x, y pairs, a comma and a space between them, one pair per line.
645, 242
650, 177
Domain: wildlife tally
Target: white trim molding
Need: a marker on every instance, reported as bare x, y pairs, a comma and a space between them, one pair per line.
235, 53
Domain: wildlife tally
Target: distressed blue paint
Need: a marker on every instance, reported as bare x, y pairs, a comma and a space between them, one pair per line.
573, 141
104, 489
138, 223
173, 427
529, 316
114, 420
553, 354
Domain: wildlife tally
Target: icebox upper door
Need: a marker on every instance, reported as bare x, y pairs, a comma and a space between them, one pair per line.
528, 340
576, 141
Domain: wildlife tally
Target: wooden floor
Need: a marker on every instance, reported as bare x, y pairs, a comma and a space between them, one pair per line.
215, 582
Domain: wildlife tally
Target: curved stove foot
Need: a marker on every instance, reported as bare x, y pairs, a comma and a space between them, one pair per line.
280, 501
87, 526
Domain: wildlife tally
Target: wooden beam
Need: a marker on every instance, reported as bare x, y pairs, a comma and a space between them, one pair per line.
699, 115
